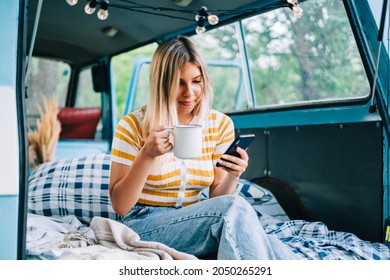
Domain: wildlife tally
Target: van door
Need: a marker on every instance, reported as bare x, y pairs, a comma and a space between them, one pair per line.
12, 142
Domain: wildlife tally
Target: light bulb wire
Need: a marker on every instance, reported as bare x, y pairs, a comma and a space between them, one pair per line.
201, 21
104, 5
146, 9
92, 3
223, 14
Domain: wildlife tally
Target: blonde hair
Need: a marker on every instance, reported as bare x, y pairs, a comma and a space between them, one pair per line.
165, 70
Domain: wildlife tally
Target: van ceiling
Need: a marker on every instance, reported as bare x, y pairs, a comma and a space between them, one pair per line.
67, 33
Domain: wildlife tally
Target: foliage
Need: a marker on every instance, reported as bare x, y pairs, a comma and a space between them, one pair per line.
312, 58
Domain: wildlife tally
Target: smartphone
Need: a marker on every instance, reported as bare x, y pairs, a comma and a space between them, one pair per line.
243, 141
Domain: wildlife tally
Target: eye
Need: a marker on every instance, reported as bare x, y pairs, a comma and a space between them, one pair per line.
197, 80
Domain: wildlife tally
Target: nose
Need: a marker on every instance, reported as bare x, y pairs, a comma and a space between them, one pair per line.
188, 90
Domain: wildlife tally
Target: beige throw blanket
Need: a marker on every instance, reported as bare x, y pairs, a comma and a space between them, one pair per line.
115, 241
126, 243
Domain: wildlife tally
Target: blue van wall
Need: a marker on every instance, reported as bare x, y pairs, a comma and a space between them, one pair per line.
9, 198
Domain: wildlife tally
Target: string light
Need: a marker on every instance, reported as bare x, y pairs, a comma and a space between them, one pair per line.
200, 29
202, 16
72, 2
103, 12
90, 7
213, 19
295, 8
205, 16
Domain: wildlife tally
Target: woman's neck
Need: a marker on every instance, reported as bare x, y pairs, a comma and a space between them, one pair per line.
187, 119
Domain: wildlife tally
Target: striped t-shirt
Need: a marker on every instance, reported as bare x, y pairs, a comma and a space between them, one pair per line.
173, 181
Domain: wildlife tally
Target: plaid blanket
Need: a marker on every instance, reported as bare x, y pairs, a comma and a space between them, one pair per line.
314, 241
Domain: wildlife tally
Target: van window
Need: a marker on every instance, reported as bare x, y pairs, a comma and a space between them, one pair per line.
221, 49
85, 94
87, 97
291, 60
306, 59
45, 78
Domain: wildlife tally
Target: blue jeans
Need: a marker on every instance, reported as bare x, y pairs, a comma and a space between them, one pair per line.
227, 225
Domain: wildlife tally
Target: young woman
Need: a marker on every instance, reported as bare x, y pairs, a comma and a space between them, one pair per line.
158, 195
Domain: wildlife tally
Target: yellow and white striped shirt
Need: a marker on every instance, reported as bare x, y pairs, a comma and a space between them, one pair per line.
173, 181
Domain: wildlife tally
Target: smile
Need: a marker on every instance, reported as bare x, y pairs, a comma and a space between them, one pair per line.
186, 103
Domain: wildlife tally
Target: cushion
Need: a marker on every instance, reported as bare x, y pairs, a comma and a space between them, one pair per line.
79, 123
76, 187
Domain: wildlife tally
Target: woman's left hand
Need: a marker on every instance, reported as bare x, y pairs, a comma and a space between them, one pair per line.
235, 165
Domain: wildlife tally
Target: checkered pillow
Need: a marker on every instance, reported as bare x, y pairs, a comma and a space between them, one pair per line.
76, 187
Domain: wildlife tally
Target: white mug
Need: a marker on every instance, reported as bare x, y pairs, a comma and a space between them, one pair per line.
187, 141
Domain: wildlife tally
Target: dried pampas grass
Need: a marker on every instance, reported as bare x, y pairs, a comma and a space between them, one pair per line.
43, 141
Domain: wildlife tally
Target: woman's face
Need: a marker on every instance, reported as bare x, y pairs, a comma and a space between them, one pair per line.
190, 88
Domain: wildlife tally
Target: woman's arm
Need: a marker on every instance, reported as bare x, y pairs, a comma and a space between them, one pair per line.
127, 182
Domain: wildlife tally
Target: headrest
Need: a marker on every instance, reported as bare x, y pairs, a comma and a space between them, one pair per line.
79, 123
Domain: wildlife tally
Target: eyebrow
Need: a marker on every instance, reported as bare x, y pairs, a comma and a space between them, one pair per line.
196, 77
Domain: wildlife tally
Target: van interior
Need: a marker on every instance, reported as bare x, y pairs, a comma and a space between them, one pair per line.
309, 79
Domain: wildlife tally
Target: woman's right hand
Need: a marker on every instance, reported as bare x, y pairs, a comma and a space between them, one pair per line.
158, 142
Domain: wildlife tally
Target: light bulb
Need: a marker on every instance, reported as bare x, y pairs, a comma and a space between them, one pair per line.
200, 30
298, 11
89, 10
72, 2
213, 19
102, 14
90, 7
